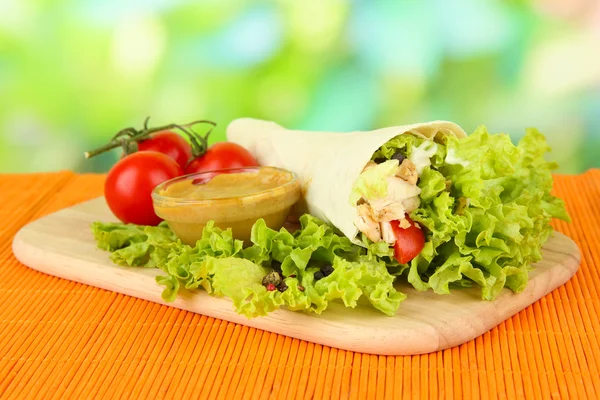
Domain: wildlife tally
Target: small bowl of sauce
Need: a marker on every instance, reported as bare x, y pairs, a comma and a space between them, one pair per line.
232, 198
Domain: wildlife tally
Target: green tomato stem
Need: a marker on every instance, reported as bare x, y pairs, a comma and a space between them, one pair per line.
126, 138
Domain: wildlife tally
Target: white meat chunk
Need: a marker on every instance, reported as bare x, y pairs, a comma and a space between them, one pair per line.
399, 189
387, 209
412, 204
402, 198
387, 233
404, 224
408, 172
366, 224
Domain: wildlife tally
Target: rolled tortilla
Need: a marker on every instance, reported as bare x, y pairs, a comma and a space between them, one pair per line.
327, 163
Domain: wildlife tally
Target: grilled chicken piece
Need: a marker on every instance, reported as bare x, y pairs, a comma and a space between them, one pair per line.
387, 209
387, 233
404, 223
408, 172
411, 204
402, 198
399, 189
366, 224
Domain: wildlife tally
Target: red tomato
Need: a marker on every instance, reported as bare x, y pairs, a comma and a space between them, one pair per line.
129, 184
223, 155
169, 143
409, 241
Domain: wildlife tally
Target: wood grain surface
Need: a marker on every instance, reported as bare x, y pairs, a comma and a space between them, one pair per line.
62, 245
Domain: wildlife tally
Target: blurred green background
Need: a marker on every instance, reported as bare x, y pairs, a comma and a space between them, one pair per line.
74, 72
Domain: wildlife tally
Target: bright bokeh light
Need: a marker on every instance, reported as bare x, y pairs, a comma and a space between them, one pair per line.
564, 66
72, 73
315, 26
137, 45
17, 17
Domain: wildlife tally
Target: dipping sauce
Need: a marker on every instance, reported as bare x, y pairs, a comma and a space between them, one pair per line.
233, 199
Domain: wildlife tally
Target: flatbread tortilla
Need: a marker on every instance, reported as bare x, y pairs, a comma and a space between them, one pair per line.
327, 163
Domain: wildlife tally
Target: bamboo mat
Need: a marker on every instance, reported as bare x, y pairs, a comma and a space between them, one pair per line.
63, 340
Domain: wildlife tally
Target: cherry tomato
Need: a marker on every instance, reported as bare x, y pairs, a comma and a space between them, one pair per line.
129, 184
409, 241
169, 143
223, 155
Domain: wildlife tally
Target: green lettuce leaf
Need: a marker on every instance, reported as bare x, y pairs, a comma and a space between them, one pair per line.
372, 183
493, 240
405, 143
223, 267
111, 236
134, 245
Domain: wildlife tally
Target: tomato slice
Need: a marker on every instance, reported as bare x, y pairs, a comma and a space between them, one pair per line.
409, 241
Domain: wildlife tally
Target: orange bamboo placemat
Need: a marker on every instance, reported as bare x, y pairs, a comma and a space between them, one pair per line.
60, 339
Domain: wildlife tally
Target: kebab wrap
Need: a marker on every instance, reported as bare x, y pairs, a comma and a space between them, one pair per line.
464, 210
344, 182
438, 206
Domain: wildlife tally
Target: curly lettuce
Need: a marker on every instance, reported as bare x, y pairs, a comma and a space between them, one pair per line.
221, 266
486, 207
372, 183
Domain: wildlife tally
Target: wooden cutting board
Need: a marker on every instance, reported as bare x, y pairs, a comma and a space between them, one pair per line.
61, 244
